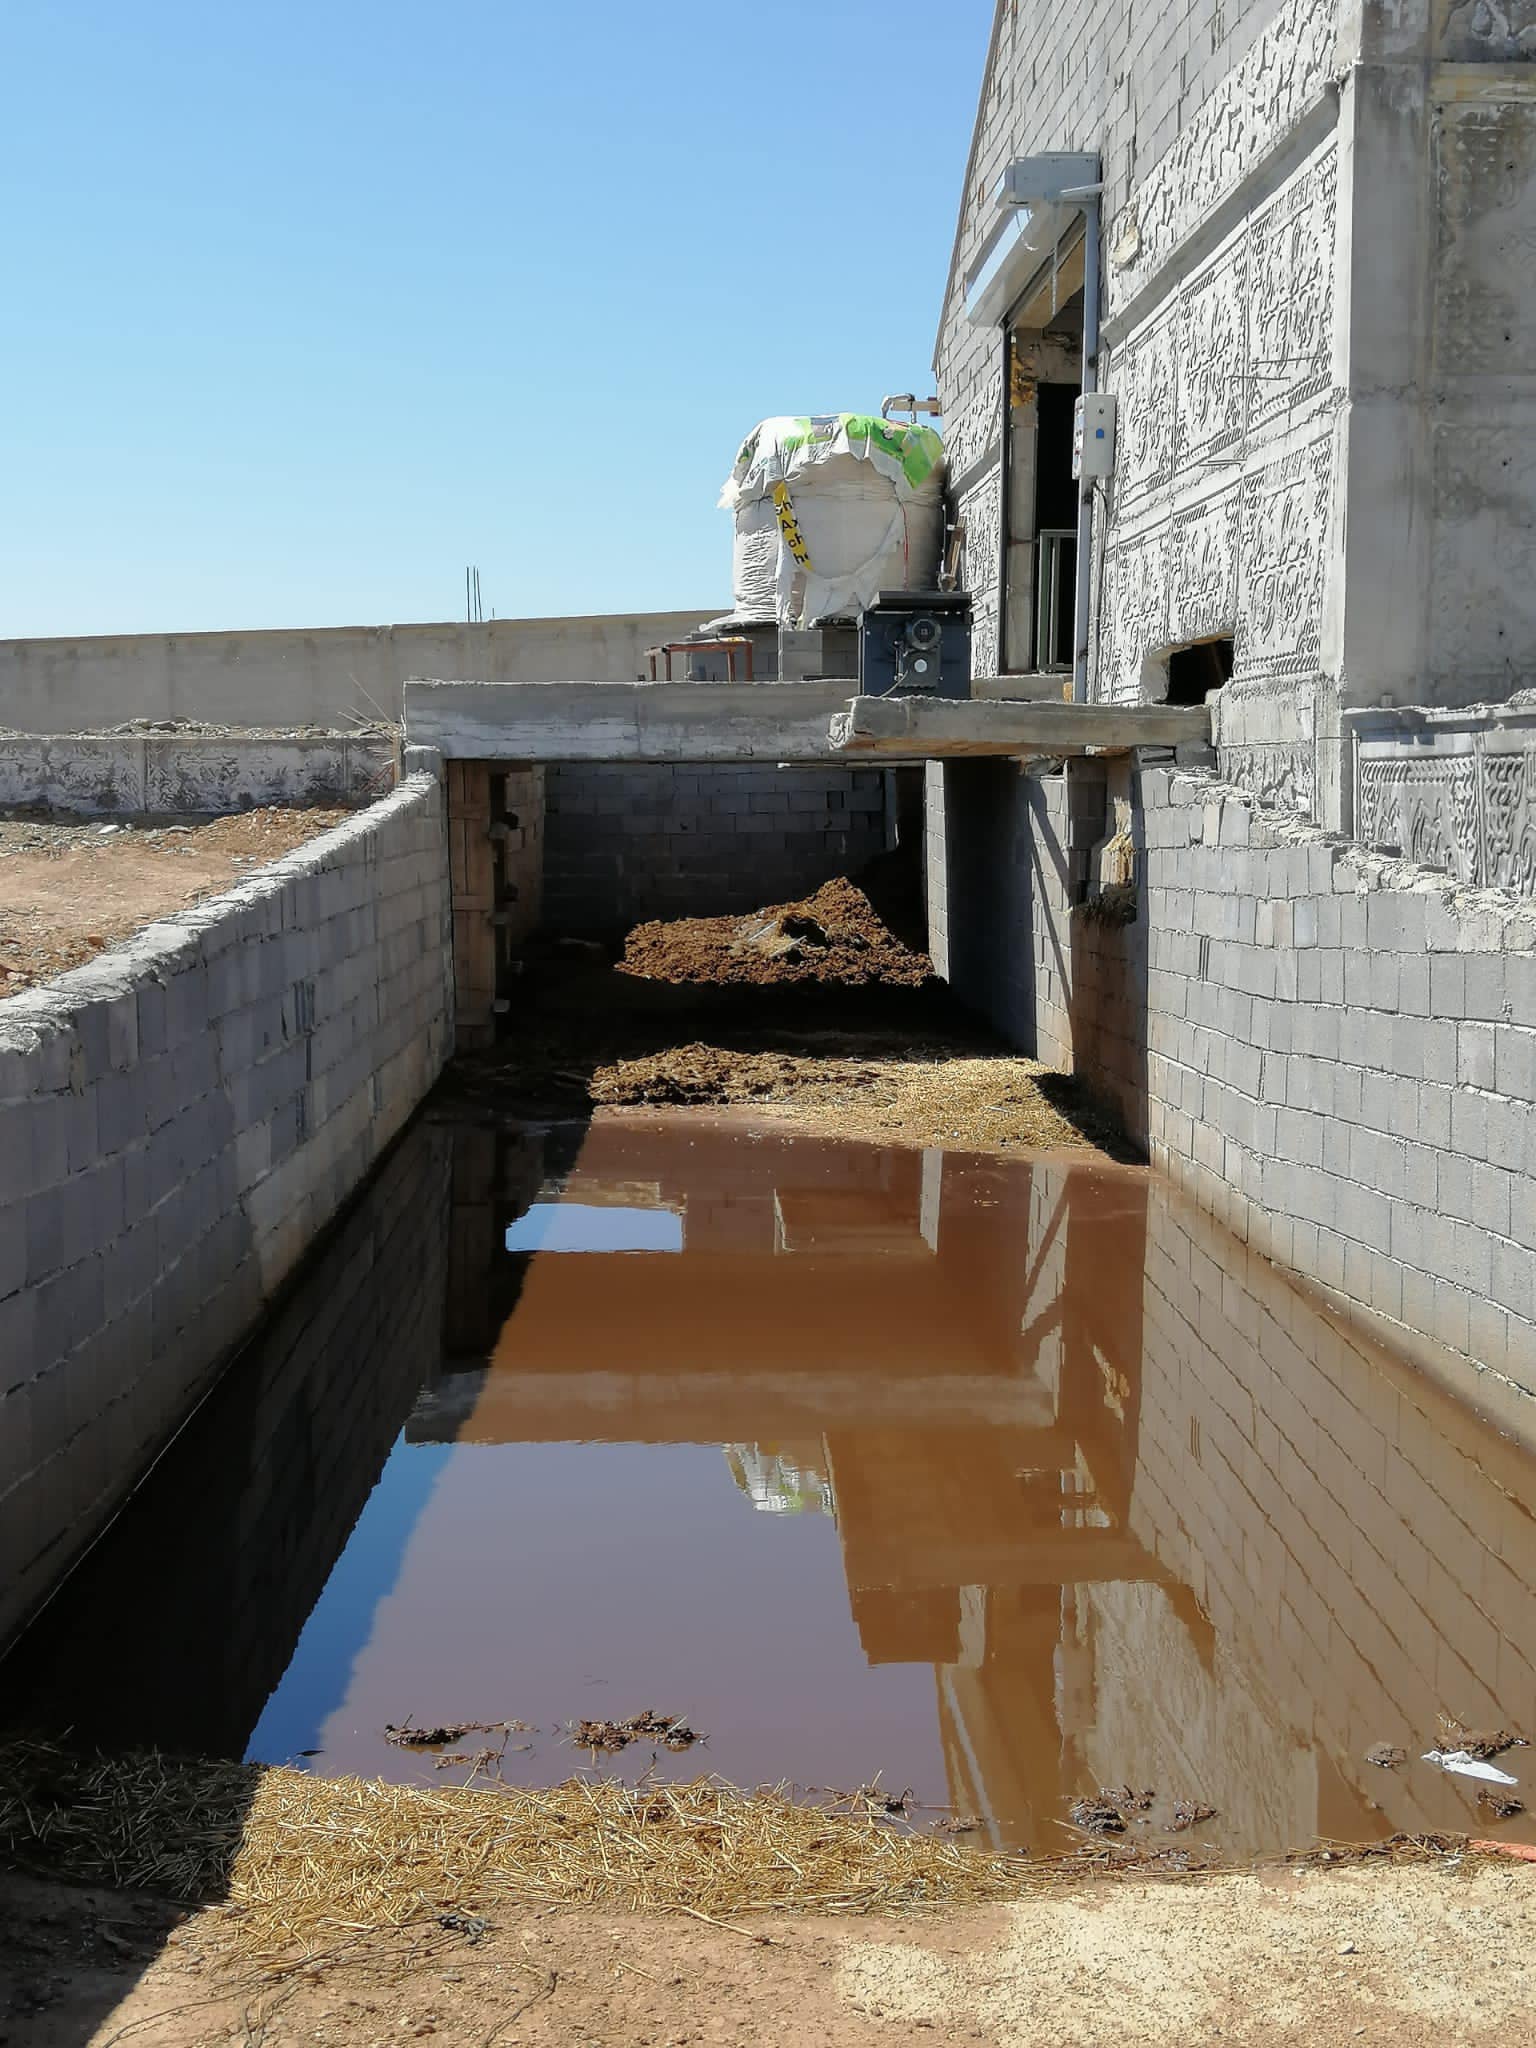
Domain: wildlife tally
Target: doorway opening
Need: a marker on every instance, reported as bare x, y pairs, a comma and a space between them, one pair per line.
1045, 352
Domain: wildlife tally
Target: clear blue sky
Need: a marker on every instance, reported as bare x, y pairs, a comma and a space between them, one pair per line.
311, 304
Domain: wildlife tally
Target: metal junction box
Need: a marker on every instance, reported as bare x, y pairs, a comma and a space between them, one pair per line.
1093, 437
916, 643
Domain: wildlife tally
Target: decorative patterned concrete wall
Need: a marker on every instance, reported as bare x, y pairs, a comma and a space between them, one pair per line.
191, 775
1452, 790
1479, 599
1131, 81
1220, 343
1320, 304
1221, 507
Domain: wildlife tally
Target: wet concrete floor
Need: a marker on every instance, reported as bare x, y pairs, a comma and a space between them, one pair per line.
1005, 1480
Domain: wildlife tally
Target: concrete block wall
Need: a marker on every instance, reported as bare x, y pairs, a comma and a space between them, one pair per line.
1335, 1052
520, 829
271, 1473
627, 842
330, 676
177, 1121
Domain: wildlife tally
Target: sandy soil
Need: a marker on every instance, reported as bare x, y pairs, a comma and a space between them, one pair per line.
1402, 1955
70, 887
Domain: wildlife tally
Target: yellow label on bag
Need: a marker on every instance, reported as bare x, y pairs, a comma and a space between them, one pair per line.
789, 526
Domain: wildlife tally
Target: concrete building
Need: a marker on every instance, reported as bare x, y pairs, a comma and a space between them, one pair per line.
1317, 320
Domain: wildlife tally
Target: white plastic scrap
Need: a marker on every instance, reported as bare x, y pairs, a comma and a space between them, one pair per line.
1467, 1766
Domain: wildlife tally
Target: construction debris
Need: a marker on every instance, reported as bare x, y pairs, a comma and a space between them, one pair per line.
1502, 1805
1480, 1743
406, 1737
1099, 1816
671, 1731
1191, 1813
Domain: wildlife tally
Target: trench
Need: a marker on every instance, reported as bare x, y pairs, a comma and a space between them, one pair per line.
991, 1481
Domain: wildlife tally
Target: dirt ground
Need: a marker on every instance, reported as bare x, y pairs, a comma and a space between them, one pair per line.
823, 1014
1407, 1955
890, 1093
71, 886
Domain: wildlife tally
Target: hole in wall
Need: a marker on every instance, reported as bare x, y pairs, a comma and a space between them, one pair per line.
1194, 671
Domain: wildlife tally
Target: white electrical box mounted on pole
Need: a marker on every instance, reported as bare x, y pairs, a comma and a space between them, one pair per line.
1093, 437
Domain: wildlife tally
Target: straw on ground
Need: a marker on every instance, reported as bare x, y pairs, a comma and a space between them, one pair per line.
302, 1858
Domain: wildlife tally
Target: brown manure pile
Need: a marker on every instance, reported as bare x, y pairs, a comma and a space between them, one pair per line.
834, 936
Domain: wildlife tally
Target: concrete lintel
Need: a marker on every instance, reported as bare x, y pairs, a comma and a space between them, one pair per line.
681, 722
934, 728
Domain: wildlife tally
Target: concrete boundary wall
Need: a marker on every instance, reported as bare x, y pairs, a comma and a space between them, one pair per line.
191, 774
303, 675
1334, 1051
177, 1121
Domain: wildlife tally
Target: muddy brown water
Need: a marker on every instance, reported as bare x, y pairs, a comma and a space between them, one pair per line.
999, 1480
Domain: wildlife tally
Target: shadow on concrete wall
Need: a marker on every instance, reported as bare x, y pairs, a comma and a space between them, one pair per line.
1108, 1014
174, 1629
1060, 978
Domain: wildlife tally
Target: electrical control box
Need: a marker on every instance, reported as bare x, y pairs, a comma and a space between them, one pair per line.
1093, 437
916, 642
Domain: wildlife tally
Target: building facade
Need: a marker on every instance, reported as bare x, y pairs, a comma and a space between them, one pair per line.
1318, 309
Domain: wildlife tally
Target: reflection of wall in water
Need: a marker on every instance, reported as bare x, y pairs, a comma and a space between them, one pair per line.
177, 1627
1323, 1504
1151, 1517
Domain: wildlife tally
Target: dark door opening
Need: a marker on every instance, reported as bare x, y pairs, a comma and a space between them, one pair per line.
1055, 527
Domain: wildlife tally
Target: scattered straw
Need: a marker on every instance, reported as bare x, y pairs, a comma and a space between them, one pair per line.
303, 1861
305, 1858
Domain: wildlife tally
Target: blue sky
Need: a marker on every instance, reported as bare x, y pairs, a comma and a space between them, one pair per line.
311, 304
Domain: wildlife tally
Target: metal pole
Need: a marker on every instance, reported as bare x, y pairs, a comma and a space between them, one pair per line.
1092, 210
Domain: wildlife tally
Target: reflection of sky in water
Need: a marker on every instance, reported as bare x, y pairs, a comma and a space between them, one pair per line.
584, 1227
341, 1622
551, 1581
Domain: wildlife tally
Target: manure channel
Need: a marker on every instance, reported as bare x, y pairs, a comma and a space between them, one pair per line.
1003, 1480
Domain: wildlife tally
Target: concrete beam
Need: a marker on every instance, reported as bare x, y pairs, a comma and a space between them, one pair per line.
935, 728
719, 722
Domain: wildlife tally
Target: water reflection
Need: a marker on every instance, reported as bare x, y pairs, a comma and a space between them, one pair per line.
1009, 1479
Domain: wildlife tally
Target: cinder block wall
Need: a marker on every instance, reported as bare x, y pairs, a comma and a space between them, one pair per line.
1335, 1052
177, 1121
271, 1473
627, 842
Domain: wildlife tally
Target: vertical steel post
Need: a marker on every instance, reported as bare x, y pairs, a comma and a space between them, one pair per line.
1092, 218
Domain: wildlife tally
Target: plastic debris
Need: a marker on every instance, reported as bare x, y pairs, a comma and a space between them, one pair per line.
1466, 1766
